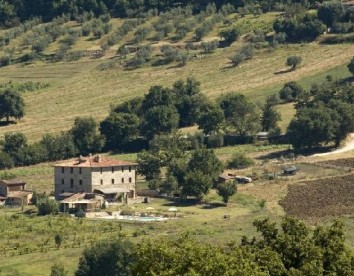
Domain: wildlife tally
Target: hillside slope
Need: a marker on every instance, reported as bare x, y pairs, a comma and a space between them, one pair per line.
77, 88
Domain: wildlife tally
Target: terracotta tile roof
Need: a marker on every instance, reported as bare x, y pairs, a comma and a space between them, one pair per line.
12, 182
108, 191
96, 161
81, 198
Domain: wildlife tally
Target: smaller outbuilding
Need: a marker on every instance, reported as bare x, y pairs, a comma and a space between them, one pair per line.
85, 202
292, 170
262, 136
14, 192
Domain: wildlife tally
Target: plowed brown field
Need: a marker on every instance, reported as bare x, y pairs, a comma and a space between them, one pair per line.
346, 162
320, 198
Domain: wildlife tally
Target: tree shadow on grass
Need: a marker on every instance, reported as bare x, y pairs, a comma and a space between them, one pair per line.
5, 123
288, 152
283, 71
179, 65
228, 66
178, 202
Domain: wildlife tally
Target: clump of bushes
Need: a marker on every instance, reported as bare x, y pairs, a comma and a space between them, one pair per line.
245, 53
239, 160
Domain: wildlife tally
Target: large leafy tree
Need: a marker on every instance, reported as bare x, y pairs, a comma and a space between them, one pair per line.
11, 105
189, 100
205, 161
211, 119
149, 165
225, 190
157, 96
85, 135
330, 12
158, 120
197, 184
351, 66
60, 146
269, 117
107, 258
290, 91
119, 128
241, 115
13, 142
313, 126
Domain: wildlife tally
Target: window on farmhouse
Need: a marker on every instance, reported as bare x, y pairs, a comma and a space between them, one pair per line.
71, 170
71, 183
80, 181
62, 181
130, 180
122, 180
79, 170
112, 181
62, 170
101, 182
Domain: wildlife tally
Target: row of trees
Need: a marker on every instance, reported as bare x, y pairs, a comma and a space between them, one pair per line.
132, 124
298, 25
20, 10
289, 250
163, 110
82, 138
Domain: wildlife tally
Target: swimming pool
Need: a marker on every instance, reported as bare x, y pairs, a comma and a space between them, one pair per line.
135, 218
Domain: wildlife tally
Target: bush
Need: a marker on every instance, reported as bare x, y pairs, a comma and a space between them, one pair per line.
215, 141
243, 54
290, 91
141, 34
98, 32
230, 35
169, 53
6, 162
86, 29
351, 66
4, 61
239, 160
47, 206
142, 56
293, 61
210, 46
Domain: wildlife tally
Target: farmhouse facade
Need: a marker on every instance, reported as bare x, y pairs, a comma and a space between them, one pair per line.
92, 173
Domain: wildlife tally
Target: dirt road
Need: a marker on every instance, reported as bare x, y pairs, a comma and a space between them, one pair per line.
349, 145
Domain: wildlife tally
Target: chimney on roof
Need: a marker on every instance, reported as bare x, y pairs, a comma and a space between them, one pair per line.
98, 158
81, 159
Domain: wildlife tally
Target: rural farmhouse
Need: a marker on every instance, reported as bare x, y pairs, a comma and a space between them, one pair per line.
97, 174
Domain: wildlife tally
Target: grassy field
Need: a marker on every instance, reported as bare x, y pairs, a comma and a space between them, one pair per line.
28, 247
27, 244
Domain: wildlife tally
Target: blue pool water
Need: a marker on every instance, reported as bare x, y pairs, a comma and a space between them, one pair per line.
136, 218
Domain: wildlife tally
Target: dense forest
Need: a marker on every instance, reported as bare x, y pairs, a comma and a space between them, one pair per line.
14, 11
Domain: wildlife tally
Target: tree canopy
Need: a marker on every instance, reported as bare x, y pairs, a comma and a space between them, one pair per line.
11, 105
291, 249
